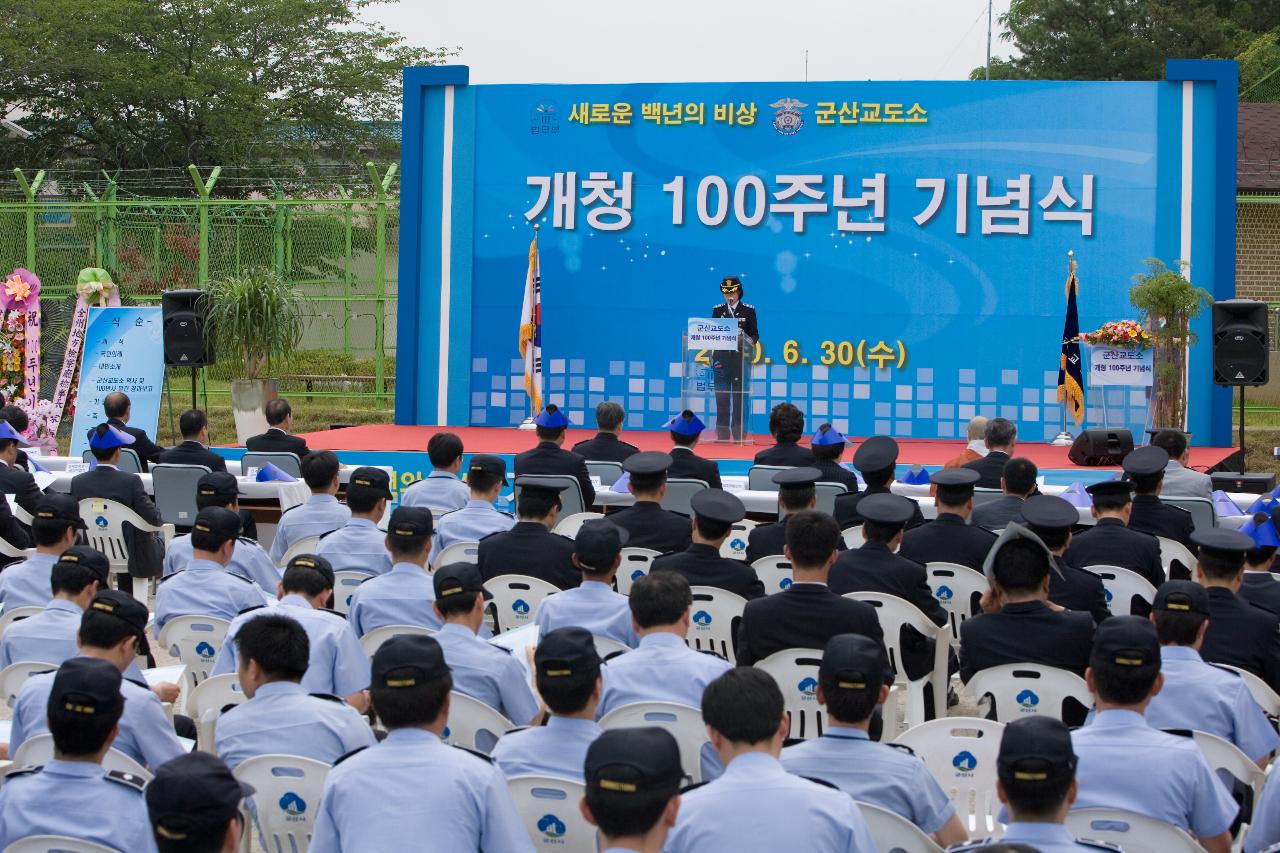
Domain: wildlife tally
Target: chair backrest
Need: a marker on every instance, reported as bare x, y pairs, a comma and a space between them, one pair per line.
982, 496
39, 750
13, 676
345, 583
459, 552
774, 572
680, 492
548, 807
760, 477
683, 721
128, 461
8, 549
516, 599
1122, 586
1131, 832
474, 724
635, 565
608, 472
571, 501
853, 537
305, 545
373, 640
958, 589
1203, 515
735, 546
898, 613
893, 833
1170, 550
206, 703
175, 491
716, 613
282, 459
1223, 756
826, 494
195, 641
13, 614
1019, 689
568, 525
105, 520
56, 844
796, 671
960, 753
606, 646
286, 796
1262, 693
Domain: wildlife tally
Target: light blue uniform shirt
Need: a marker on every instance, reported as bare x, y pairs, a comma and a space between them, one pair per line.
661, 669
248, 560
358, 546
316, 517
206, 588
146, 735
1126, 764
758, 806
557, 749
438, 490
49, 637
487, 672
1200, 696
403, 596
75, 799
27, 584
875, 773
337, 665
282, 718
1044, 837
472, 523
1265, 829
425, 795
594, 606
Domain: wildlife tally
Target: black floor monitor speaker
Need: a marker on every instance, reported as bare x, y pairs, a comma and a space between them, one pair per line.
1101, 446
1240, 345
188, 340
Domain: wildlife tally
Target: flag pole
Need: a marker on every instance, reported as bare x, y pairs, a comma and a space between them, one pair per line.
533, 300
537, 252
1064, 438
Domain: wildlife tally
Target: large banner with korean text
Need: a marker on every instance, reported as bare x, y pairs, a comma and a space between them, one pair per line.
903, 243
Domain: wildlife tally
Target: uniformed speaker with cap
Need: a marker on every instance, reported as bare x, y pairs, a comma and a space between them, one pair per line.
731, 389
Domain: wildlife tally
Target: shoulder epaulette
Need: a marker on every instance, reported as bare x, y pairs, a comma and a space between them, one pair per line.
245, 540
713, 654
1234, 672
337, 613
1179, 732
823, 782
494, 533
695, 786
902, 746
142, 684
450, 512
330, 697
343, 758
127, 779
503, 512
561, 536
330, 532
251, 609
612, 655
1100, 845
170, 576
290, 509
971, 844
747, 305
477, 753
29, 770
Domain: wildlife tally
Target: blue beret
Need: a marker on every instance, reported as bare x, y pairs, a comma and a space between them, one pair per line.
1262, 530
551, 418
107, 437
686, 423
826, 435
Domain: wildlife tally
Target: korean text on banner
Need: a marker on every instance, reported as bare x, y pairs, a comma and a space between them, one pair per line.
705, 333
1118, 366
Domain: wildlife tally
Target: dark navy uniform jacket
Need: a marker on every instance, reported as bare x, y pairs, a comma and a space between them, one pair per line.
786, 453
1154, 516
529, 548
1078, 589
605, 447
767, 540
746, 315
702, 565
847, 508
834, 472
549, 458
147, 450
1110, 543
1026, 632
192, 452
685, 464
1243, 635
948, 539
990, 469
802, 616
651, 526
1261, 588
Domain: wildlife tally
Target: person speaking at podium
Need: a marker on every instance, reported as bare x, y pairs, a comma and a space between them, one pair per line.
730, 390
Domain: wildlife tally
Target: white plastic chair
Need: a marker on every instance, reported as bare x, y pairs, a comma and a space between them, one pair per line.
105, 520
853, 537
548, 807
207, 702
1132, 832
735, 546
282, 459
1262, 693
56, 844
373, 640
13, 614
635, 565
606, 646
774, 572
474, 724
679, 495
1122, 586
1223, 756
957, 589
345, 583
287, 791
39, 750
175, 487
516, 599
8, 549
715, 614
796, 672
1019, 689
684, 722
960, 753
1170, 550
893, 833
459, 552
569, 525
607, 471
571, 501
13, 676
305, 545
895, 613
760, 477
195, 641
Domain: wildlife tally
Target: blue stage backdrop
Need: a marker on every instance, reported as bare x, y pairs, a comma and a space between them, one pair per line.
905, 244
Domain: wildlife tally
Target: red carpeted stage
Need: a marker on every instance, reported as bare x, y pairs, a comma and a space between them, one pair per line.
500, 440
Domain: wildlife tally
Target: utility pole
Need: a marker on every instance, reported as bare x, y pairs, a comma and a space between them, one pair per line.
806, 66
988, 38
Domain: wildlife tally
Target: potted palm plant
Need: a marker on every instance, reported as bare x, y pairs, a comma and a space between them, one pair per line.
1170, 303
256, 316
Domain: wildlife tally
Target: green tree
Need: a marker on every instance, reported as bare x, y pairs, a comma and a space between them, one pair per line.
163, 83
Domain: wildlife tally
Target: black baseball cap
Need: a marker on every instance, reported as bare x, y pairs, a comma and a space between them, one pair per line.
91, 558
114, 604
1146, 461
566, 653
795, 478
1111, 489
1035, 750
484, 463
883, 508
217, 521
218, 484
193, 796
717, 505
1182, 597
647, 462
458, 579
315, 563
852, 662
530, 482
59, 507
626, 762
86, 686
407, 660
598, 543
370, 480
955, 485
410, 521
1126, 641
877, 453
1221, 539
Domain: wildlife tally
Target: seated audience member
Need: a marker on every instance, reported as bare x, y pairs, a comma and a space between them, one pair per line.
249, 560
633, 788
441, 489
1110, 542
17, 418
424, 792
567, 670
1265, 829
828, 446
194, 803
15, 480
481, 670
714, 514
950, 538
194, 448
796, 493
404, 595
359, 545
786, 425
1179, 480
54, 526
280, 716
83, 706
486, 477
685, 429
1256, 584
1145, 467
607, 446
648, 525
593, 604
1017, 483
548, 457
1197, 695
112, 630
1017, 624
277, 439
530, 547
744, 713
1051, 518
852, 681
321, 513
1000, 438
205, 587
1126, 764
877, 460
807, 613
976, 434
1240, 634
337, 665
117, 407
50, 635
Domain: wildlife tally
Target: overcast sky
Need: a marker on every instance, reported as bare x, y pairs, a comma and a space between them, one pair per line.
606, 41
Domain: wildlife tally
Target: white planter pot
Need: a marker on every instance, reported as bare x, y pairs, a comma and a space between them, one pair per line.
249, 398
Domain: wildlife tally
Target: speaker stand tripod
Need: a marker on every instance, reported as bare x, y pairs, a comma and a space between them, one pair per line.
1243, 463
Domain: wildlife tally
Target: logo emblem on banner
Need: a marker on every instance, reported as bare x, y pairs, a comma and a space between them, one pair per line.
788, 119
